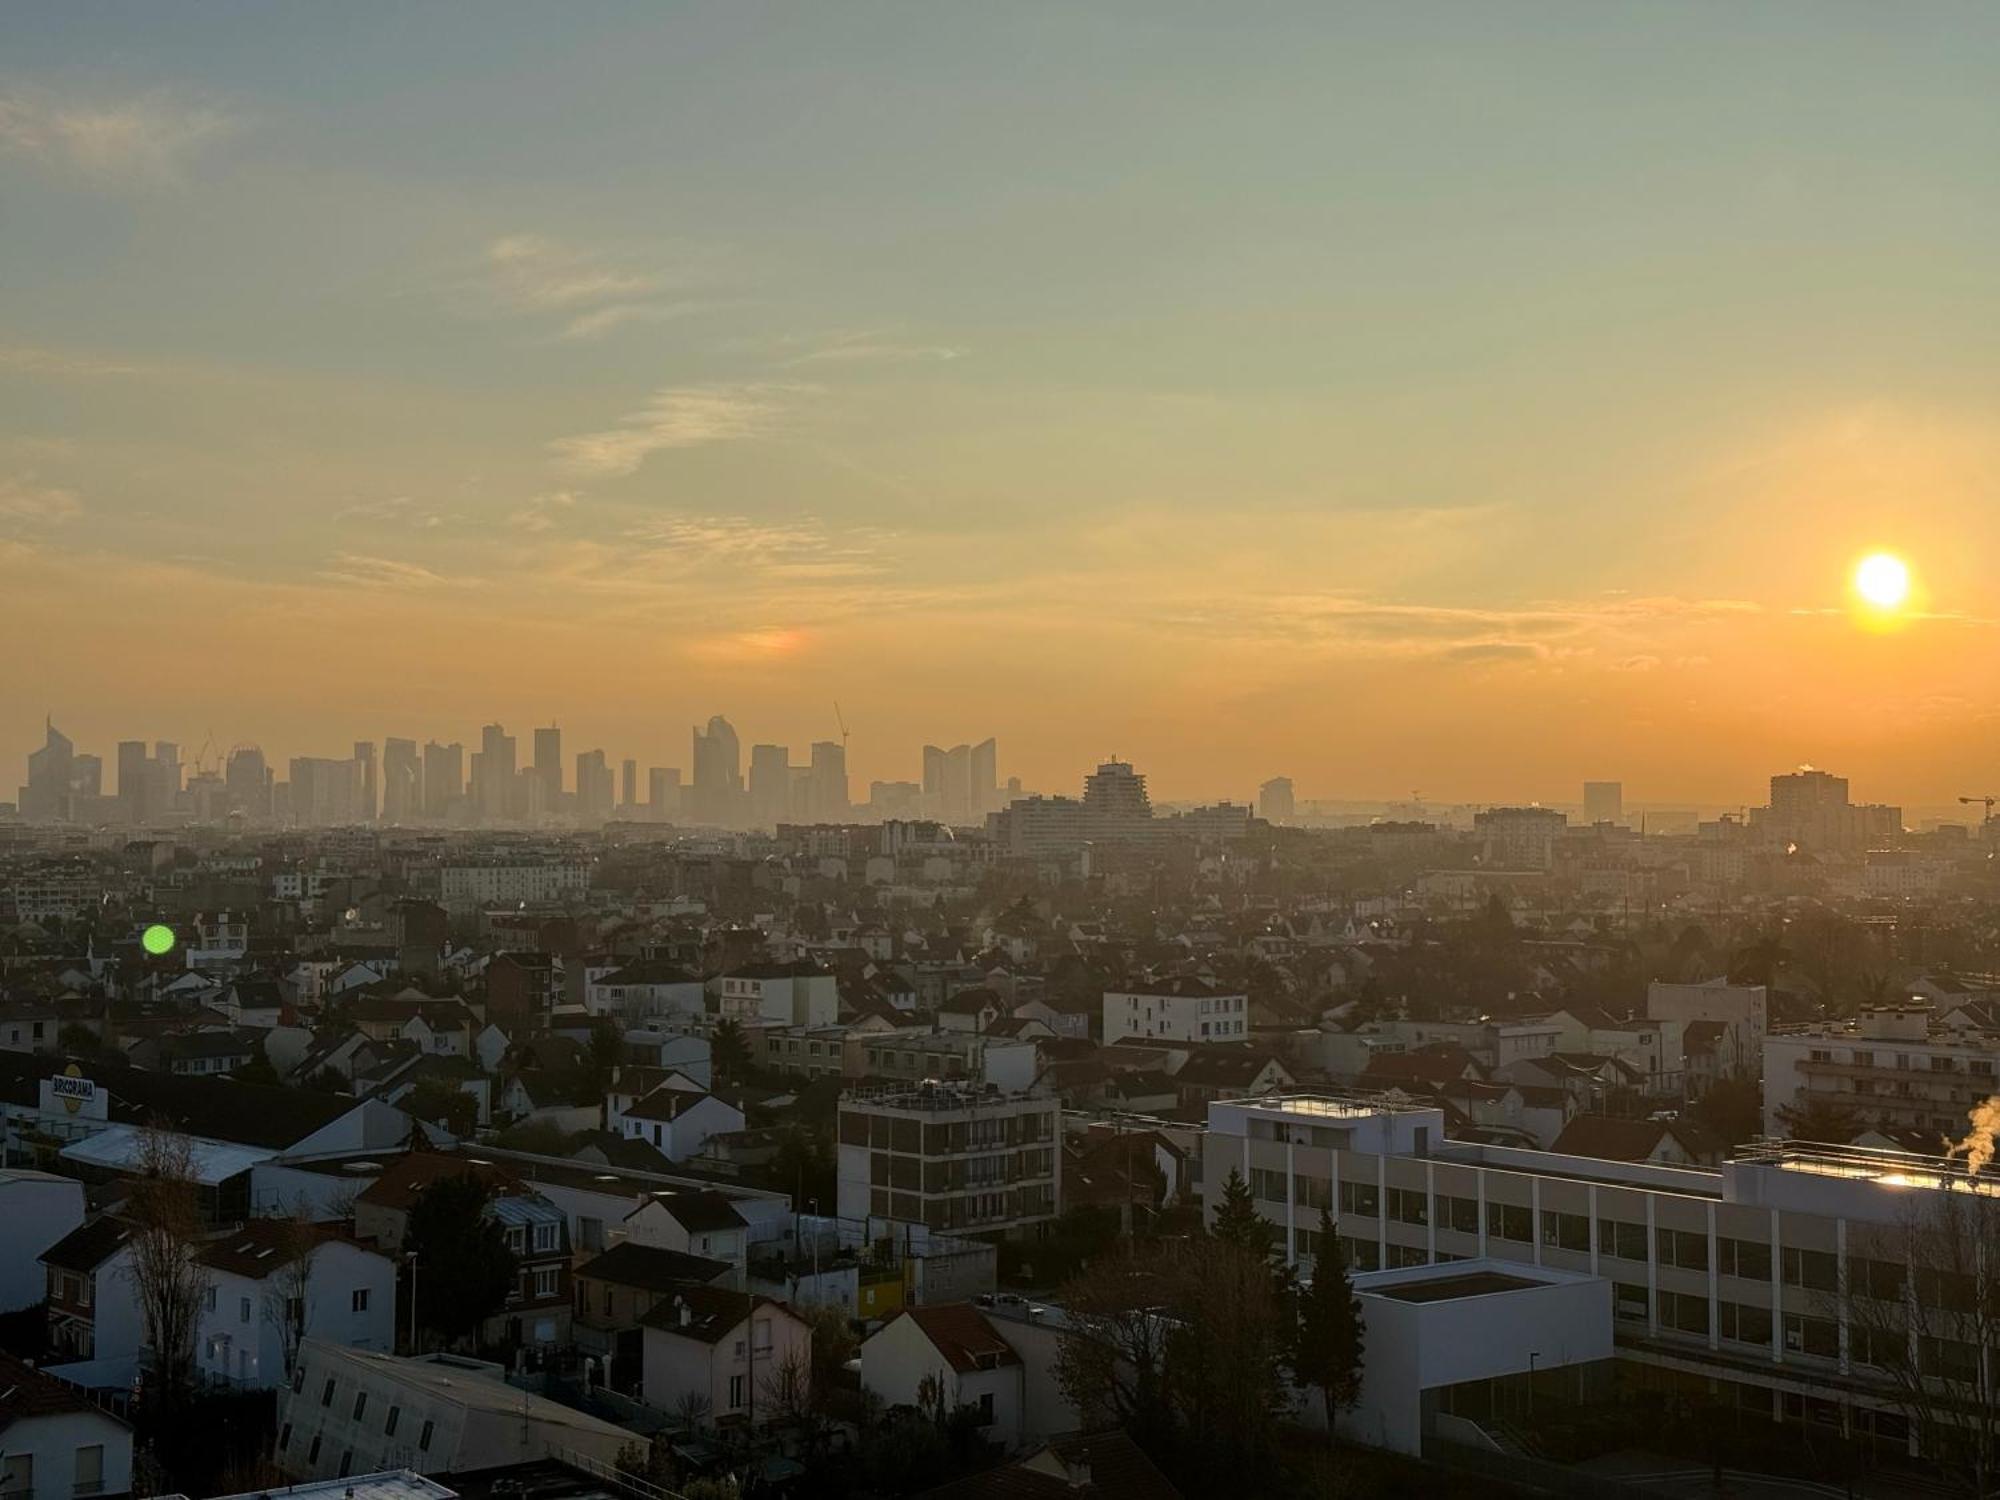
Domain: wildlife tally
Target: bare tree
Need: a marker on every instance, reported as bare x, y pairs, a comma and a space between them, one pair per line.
692, 1410
1923, 1314
288, 1290
164, 1208
788, 1388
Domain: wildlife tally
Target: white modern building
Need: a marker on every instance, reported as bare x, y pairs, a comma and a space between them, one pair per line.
464, 889
1891, 1065
331, 1289
791, 994
353, 1411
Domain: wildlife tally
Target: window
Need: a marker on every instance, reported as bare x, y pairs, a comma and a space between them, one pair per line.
298, 1379
1459, 1214
208, 1299
545, 1237
1510, 1221
312, 1450
360, 1404
1267, 1185
986, 1409
346, 1463
516, 1239
19, 1475
359, 1301
1361, 1255
242, 1309
545, 1281
1407, 1255
1743, 1324
1747, 1260
736, 1393
1684, 1313
1685, 1248
284, 1437
1879, 1279
1409, 1206
389, 1423
1312, 1192
326, 1396
90, 1469
424, 1437
1360, 1198
1819, 1337
1617, 1238
1566, 1231
1628, 1301
1815, 1270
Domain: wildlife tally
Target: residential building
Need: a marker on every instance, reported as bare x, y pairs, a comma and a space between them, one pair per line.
953, 1350
951, 1157
677, 1122
37, 1210
93, 1311
1275, 802
1177, 1010
721, 1347
1891, 1066
792, 994
1519, 838
58, 1443
275, 1281
616, 1289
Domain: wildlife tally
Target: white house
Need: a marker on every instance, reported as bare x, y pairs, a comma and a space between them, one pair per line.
1177, 1010
792, 994
693, 1222
640, 992
95, 1331
36, 1210
723, 1347
678, 1122
947, 1353
346, 1292
55, 1442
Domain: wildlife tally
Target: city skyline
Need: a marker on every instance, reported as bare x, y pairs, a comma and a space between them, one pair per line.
1400, 414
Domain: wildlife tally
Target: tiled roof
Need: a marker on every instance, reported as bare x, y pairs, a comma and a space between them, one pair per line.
959, 1331
87, 1246
651, 1268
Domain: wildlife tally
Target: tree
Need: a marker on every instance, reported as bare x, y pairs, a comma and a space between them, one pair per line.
437, 1101
463, 1265
834, 1343
1732, 1109
728, 1051
1817, 1119
1923, 1310
803, 1166
257, 1071
1326, 1354
287, 1290
607, 1051
1237, 1221
164, 1209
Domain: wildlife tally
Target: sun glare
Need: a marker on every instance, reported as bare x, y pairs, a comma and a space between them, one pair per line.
1882, 580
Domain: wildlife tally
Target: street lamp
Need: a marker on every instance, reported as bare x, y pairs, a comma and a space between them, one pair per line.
411, 1257
1533, 1355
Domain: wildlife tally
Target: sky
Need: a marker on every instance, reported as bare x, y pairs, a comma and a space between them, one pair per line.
1466, 399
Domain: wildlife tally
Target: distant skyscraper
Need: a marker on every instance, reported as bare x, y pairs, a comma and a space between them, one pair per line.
1274, 800
629, 776
663, 793
828, 783
246, 784
770, 785
493, 789
983, 790
1603, 801
402, 781
594, 788
135, 781
718, 773
1115, 804
371, 798
548, 765
325, 792
444, 778
48, 796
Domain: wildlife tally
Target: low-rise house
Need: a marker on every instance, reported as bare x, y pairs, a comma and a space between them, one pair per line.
613, 1291
706, 1344
948, 1355
276, 1281
694, 1223
1668, 1142
678, 1123
55, 1442
37, 1210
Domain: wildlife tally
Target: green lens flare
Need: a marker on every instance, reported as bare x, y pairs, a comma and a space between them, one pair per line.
158, 939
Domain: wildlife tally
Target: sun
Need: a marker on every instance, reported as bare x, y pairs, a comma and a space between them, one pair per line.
1882, 580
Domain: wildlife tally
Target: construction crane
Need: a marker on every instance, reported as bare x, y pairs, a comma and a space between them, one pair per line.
1986, 802
841, 720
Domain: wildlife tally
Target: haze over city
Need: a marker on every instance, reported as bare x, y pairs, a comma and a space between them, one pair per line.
1458, 398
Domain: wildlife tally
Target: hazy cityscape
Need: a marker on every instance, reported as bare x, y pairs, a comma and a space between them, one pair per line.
1007, 752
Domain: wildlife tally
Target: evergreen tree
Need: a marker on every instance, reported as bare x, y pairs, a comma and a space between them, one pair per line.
1237, 1221
464, 1267
1326, 1353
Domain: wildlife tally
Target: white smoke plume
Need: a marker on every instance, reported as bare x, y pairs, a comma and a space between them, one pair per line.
1978, 1146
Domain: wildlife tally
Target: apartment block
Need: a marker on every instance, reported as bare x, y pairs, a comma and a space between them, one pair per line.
949, 1156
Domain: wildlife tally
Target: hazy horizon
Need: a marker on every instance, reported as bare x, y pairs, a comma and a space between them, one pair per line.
1452, 398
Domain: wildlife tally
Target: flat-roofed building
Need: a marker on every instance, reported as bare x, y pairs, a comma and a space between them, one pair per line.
958, 1157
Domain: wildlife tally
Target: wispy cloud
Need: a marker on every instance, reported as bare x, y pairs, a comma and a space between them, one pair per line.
31, 360
396, 510
685, 416
26, 502
591, 293
379, 572
863, 348
539, 513
149, 139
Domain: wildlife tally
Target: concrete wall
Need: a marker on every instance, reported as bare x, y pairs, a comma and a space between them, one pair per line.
36, 1210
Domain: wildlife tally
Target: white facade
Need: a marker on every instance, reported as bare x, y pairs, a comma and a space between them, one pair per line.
1891, 1065
900, 1360
1742, 1008
66, 1455
1165, 1015
466, 888
791, 999
350, 1300
684, 1134
730, 1368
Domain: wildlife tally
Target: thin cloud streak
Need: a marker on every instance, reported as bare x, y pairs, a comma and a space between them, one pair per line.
148, 140
675, 417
